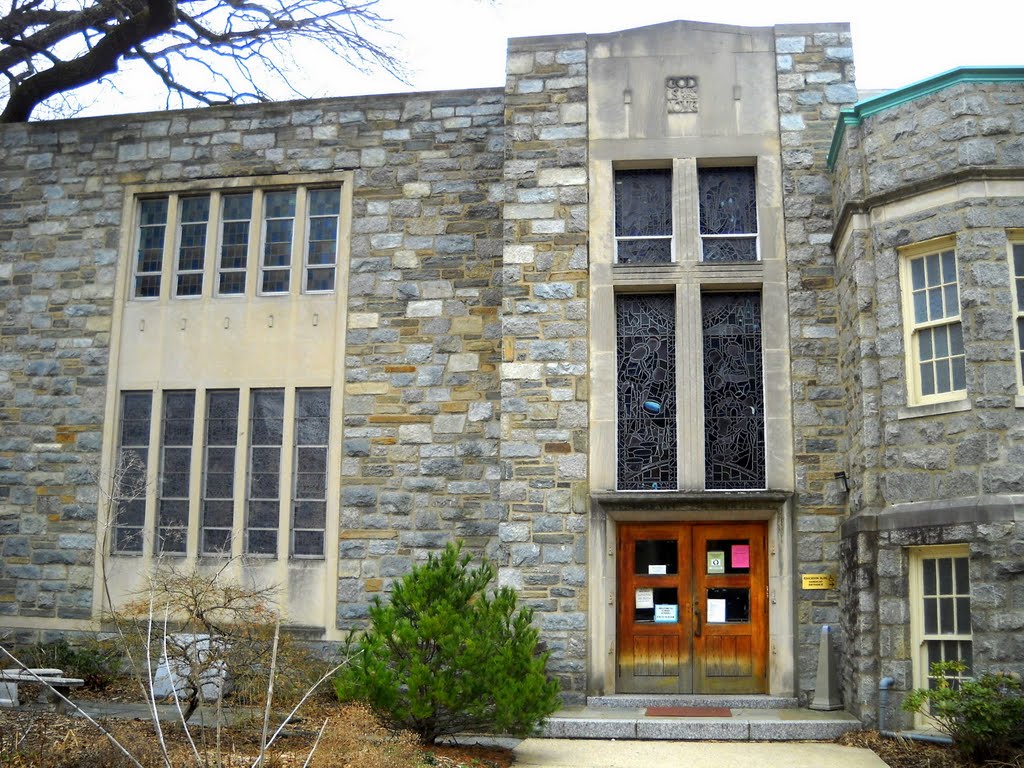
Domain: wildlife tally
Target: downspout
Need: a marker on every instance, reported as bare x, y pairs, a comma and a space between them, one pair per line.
884, 685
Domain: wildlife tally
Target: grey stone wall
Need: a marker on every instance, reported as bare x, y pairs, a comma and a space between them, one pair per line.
421, 402
421, 358
544, 373
815, 78
912, 156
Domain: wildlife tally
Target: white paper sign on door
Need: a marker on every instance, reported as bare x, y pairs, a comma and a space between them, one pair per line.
645, 598
666, 614
716, 611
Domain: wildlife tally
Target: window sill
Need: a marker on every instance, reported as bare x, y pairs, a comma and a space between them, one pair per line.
933, 409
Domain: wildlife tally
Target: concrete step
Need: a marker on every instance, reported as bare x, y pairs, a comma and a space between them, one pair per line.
742, 724
738, 701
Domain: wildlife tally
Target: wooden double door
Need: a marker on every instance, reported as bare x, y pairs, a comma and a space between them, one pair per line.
692, 608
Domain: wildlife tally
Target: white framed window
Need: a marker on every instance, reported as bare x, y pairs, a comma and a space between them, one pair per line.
933, 334
1017, 270
643, 216
728, 214
940, 609
283, 508
291, 246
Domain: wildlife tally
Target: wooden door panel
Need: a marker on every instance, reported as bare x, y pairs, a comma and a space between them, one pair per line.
724, 652
728, 657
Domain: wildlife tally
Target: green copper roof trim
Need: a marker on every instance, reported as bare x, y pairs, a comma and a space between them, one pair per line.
855, 115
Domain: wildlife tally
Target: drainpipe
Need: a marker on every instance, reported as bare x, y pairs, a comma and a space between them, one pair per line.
884, 685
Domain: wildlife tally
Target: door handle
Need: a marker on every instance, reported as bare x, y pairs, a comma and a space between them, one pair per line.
696, 614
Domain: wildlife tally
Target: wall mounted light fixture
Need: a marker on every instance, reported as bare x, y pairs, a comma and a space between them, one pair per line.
843, 481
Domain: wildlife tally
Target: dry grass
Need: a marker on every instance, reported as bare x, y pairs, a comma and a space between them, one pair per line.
353, 739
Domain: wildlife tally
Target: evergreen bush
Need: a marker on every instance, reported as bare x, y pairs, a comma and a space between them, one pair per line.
984, 716
443, 656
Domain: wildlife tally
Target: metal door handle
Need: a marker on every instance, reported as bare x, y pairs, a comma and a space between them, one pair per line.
696, 613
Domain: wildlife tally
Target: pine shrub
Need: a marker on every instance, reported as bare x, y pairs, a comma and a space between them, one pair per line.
443, 656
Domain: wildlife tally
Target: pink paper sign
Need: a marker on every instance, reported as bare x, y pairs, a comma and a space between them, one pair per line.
740, 555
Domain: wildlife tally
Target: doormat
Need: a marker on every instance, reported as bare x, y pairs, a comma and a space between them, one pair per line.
689, 712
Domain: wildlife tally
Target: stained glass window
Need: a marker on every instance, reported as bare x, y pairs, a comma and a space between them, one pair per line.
728, 214
646, 364
175, 471
643, 216
733, 391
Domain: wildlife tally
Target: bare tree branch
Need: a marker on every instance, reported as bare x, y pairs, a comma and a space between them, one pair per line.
48, 48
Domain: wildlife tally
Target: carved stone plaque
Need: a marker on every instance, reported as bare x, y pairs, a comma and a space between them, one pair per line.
681, 93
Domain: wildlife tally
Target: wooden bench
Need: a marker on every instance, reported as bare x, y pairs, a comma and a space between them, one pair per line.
54, 678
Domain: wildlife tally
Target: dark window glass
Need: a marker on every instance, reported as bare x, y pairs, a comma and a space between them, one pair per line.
734, 447
219, 471
266, 429
130, 475
728, 214
643, 216
646, 398
175, 472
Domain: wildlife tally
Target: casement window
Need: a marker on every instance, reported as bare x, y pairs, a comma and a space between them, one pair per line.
221, 243
204, 510
933, 335
940, 595
1017, 264
643, 216
728, 214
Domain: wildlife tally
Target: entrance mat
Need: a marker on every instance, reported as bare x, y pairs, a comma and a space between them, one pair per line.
689, 712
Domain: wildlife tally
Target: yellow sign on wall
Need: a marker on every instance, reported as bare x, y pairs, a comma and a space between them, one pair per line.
818, 581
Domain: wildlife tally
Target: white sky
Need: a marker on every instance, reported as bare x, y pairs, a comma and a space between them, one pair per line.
452, 44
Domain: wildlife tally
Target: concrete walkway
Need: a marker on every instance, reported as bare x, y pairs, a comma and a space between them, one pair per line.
582, 753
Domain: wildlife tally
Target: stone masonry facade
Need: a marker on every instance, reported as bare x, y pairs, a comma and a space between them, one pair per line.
464, 408
815, 80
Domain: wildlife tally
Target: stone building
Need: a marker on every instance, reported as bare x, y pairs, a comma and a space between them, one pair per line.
666, 325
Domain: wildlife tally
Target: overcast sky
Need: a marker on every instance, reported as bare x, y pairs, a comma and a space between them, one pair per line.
451, 44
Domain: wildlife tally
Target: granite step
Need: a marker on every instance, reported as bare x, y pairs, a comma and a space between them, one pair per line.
762, 721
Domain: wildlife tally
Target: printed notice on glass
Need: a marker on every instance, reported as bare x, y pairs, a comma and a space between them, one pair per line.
657, 570
645, 598
716, 561
740, 555
666, 614
716, 611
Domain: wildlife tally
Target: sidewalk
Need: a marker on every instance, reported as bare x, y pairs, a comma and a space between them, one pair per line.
582, 753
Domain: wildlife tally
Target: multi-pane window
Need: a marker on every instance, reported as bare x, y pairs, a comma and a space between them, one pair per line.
936, 360
643, 216
292, 235
235, 217
1018, 307
175, 471
149, 257
734, 441
728, 214
646, 403
195, 211
941, 589
278, 454
322, 248
219, 471
266, 437
278, 228
309, 499
130, 471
